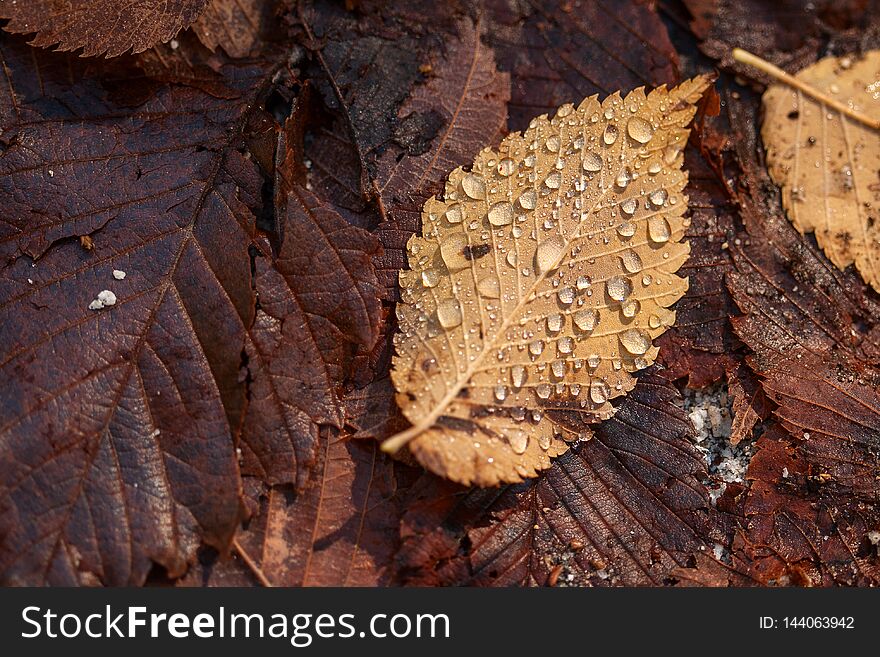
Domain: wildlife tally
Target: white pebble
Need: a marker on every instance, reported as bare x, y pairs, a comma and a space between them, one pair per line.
118, 274
105, 298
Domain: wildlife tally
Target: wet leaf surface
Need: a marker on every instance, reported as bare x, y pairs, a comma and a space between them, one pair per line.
539, 281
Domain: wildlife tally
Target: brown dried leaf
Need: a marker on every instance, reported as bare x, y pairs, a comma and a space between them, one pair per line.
540, 281
101, 27
626, 508
557, 50
813, 330
234, 25
341, 529
119, 425
827, 163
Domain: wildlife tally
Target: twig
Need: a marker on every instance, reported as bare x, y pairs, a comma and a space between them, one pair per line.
777, 73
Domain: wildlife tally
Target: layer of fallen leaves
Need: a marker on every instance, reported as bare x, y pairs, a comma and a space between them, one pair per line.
257, 181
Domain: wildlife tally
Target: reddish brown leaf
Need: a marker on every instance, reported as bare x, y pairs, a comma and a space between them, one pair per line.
801, 529
101, 27
235, 25
750, 403
447, 103
812, 328
118, 426
341, 530
626, 508
701, 343
561, 51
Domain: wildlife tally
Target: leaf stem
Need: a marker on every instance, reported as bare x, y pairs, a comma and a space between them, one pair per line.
745, 57
399, 440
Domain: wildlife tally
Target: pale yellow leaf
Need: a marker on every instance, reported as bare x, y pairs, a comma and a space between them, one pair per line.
827, 162
539, 282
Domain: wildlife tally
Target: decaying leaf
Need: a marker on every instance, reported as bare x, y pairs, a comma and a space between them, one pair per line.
233, 25
626, 508
826, 162
119, 424
813, 491
539, 282
100, 27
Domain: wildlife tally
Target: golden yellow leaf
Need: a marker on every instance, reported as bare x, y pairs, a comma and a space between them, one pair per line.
827, 160
539, 282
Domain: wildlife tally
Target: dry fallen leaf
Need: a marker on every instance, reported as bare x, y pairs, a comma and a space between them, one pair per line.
827, 162
539, 282
101, 27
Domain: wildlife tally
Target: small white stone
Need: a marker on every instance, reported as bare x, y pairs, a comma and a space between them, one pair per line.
105, 298
118, 274
175, 44
51, 173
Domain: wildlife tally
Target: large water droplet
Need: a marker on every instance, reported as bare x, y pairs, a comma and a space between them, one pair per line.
553, 180
548, 253
629, 308
586, 319
536, 347
543, 390
654, 321
632, 262
624, 177
658, 197
658, 229
528, 200
640, 130
565, 345
610, 134
555, 322
501, 214
500, 393
594, 360
518, 440
552, 143
449, 313
454, 214
489, 287
506, 167
619, 287
430, 278
558, 368
511, 258
566, 295
629, 206
474, 186
598, 392
626, 229
654, 168
635, 342
517, 376
452, 251
583, 282
592, 162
